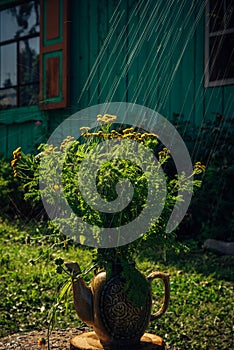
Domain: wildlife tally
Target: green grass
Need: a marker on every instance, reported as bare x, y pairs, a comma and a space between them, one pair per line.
200, 315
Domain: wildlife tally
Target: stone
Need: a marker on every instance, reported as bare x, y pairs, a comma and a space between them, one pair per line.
221, 247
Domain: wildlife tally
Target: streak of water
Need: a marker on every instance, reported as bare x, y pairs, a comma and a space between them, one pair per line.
101, 53
124, 66
145, 29
146, 45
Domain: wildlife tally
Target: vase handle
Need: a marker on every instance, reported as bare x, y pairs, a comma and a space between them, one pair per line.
165, 278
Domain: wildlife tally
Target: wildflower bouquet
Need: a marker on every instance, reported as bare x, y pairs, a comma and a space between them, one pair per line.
110, 184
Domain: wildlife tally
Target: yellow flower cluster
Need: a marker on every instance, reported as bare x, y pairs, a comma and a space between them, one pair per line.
16, 157
116, 134
66, 142
128, 133
92, 134
106, 118
56, 187
199, 167
84, 128
165, 152
128, 130
106, 134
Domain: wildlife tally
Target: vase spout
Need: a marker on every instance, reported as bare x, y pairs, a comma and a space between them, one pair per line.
82, 294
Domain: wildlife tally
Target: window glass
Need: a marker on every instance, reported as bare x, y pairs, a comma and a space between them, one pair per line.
29, 95
8, 98
216, 15
8, 72
222, 57
29, 60
19, 55
19, 21
220, 43
8, 25
230, 14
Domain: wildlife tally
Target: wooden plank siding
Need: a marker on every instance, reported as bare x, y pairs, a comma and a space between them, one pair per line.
142, 51
156, 60
228, 102
3, 140
26, 127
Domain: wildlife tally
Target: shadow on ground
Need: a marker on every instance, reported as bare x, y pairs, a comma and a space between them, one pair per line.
196, 260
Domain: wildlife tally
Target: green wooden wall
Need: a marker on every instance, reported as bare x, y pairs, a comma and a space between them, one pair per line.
26, 127
150, 52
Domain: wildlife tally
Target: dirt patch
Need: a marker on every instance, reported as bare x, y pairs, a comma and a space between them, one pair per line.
59, 340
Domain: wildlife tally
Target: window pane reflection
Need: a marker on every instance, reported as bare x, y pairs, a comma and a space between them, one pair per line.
216, 15
8, 25
29, 60
230, 14
19, 21
222, 57
8, 72
19, 54
7, 98
29, 95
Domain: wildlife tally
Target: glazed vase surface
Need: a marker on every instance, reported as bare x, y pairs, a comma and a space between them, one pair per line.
116, 317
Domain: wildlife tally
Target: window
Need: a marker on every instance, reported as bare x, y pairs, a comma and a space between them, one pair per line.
19, 55
219, 43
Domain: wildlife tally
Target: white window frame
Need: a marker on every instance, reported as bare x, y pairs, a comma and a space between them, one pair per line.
208, 35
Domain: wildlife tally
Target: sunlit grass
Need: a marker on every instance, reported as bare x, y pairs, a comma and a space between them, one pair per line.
199, 315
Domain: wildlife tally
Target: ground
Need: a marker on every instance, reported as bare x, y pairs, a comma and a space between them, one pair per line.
198, 316
59, 340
